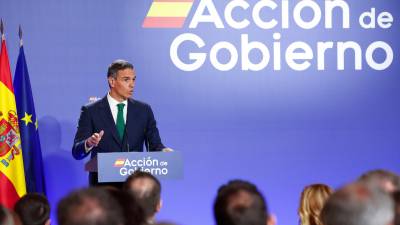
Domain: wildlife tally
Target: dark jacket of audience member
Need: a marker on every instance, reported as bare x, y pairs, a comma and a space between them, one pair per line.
240, 203
358, 204
92, 206
33, 209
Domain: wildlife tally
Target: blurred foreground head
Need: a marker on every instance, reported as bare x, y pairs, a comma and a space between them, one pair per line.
8, 217
132, 211
146, 189
384, 179
241, 203
33, 209
396, 197
358, 204
91, 206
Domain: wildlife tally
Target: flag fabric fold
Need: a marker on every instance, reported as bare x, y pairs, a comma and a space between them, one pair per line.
28, 123
12, 178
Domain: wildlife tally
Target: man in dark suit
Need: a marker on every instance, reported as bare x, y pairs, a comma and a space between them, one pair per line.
116, 123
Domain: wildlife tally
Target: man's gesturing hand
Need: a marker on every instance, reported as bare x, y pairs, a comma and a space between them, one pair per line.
94, 140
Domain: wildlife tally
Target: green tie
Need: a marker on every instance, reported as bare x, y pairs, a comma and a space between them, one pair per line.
120, 120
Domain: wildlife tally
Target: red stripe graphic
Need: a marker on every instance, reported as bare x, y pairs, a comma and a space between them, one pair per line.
8, 194
164, 22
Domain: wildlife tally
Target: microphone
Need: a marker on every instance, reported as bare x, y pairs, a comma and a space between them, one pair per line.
148, 145
146, 142
127, 138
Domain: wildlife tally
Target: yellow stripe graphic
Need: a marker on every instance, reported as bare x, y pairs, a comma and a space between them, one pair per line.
169, 9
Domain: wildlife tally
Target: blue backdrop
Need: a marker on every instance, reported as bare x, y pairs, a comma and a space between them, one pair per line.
281, 129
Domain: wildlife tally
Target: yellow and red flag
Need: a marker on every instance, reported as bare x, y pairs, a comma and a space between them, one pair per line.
12, 177
167, 13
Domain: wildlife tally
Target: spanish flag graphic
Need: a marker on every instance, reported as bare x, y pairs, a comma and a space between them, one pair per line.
12, 177
167, 13
119, 162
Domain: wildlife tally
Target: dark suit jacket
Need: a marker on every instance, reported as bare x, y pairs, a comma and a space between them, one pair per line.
140, 128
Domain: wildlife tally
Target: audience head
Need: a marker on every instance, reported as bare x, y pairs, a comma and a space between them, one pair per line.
396, 196
92, 206
240, 203
165, 223
8, 217
358, 204
147, 191
33, 209
132, 211
312, 200
384, 179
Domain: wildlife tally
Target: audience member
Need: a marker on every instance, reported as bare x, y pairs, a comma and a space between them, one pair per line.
385, 179
147, 190
165, 223
33, 209
312, 200
358, 204
132, 211
92, 206
241, 203
8, 217
396, 196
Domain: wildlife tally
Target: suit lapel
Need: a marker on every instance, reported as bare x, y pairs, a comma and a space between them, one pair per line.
109, 120
130, 120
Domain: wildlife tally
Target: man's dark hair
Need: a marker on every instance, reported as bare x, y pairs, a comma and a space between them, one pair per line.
165, 223
92, 206
33, 209
116, 66
148, 196
240, 203
132, 211
358, 204
379, 177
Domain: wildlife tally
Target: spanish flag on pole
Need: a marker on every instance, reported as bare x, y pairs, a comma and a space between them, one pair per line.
12, 177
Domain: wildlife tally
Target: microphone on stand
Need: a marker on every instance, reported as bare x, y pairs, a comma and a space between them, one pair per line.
146, 142
127, 139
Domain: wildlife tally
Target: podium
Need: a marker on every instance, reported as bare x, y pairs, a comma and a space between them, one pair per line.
117, 166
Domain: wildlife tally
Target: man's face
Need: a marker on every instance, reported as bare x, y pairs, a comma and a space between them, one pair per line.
121, 87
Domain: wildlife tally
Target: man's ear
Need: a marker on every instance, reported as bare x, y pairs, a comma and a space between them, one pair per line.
111, 81
271, 219
159, 205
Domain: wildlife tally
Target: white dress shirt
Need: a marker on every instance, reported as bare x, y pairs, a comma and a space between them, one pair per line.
114, 109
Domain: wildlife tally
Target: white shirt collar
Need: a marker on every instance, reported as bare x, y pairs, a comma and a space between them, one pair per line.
114, 102
113, 106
